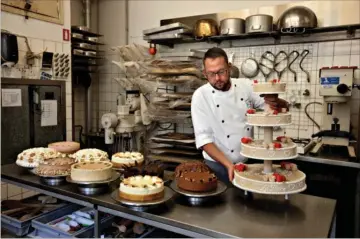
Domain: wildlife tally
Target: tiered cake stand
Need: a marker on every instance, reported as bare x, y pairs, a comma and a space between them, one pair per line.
269, 178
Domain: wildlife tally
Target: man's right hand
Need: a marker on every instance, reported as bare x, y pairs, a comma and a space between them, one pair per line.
230, 169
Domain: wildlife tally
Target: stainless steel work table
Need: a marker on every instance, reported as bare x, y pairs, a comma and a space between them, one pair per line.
232, 215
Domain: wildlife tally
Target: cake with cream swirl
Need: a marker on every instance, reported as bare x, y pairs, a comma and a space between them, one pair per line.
127, 159
142, 188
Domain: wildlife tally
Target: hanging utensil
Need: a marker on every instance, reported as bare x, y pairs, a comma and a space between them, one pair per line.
263, 66
279, 65
234, 71
296, 53
250, 68
303, 55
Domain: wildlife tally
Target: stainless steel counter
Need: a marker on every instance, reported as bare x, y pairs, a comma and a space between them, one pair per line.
231, 215
330, 160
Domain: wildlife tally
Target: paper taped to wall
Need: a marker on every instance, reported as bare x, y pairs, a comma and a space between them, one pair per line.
11, 97
48, 113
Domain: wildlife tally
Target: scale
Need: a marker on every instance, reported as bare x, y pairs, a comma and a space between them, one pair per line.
146, 205
199, 198
93, 188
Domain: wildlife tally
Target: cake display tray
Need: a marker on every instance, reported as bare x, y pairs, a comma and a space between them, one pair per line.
93, 188
168, 195
53, 180
263, 158
221, 187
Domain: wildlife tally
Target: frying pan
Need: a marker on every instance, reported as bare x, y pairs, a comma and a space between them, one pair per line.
250, 68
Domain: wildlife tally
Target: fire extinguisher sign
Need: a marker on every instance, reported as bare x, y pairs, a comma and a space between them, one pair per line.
66, 35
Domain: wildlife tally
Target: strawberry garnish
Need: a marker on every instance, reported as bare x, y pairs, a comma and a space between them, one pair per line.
275, 112
279, 178
240, 167
279, 138
255, 81
277, 145
251, 111
283, 164
246, 140
274, 81
278, 80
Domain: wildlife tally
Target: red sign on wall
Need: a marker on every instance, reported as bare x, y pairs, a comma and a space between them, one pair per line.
66, 34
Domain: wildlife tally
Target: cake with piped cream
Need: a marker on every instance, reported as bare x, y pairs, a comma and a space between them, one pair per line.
127, 159
142, 188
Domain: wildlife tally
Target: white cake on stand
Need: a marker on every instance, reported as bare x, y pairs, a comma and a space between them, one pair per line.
268, 178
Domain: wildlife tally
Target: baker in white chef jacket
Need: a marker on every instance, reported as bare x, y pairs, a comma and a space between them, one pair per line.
218, 111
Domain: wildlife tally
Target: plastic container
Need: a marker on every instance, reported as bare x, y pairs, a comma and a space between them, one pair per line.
43, 229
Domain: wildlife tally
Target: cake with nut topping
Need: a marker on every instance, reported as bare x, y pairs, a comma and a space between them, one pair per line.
30, 158
55, 167
90, 155
195, 177
142, 188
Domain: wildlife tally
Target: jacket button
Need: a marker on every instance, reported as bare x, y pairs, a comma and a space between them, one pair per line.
228, 136
223, 121
213, 91
242, 99
248, 129
235, 85
218, 106
232, 151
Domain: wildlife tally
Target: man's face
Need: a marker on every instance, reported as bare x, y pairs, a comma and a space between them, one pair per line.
217, 72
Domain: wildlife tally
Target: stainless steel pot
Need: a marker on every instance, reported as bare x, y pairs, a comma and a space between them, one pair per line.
259, 23
297, 19
232, 26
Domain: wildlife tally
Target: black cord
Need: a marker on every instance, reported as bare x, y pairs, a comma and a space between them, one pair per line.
307, 114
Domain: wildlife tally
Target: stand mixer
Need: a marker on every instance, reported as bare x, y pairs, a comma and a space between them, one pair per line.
125, 129
336, 88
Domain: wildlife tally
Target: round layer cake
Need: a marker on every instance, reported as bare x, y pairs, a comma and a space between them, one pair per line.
263, 118
30, 158
91, 171
66, 147
142, 188
195, 177
127, 159
55, 167
280, 149
90, 155
285, 179
270, 87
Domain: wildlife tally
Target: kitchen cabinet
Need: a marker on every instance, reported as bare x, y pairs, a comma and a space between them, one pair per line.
50, 10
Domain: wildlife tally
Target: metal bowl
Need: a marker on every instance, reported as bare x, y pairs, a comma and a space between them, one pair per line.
297, 17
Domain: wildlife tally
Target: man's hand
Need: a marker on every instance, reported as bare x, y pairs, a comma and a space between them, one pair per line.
275, 102
230, 169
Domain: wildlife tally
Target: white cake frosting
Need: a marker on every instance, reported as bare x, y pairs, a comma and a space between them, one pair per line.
127, 158
142, 185
257, 149
90, 155
32, 157
272, 87
91, 171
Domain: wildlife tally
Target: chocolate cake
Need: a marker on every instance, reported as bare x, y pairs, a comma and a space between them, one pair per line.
154, 168
195, 177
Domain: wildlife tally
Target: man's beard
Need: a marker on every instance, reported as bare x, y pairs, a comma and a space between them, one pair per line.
222, 86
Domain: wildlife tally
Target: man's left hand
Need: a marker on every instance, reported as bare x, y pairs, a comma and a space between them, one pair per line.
275, 102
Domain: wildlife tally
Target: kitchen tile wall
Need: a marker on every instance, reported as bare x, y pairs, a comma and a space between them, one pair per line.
335, 53
344, 53
22, 70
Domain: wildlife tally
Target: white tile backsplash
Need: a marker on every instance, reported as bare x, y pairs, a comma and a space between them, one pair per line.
342, 48
326, 49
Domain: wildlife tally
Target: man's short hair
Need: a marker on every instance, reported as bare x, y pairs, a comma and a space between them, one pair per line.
216, 52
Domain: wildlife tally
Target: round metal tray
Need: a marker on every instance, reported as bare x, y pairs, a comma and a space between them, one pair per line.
53, 181
221, 187
115, 176
168, 194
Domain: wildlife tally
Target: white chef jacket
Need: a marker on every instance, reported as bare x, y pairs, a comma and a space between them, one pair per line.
219, 117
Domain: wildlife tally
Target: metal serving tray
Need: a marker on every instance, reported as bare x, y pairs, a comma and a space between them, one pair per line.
22, 228
165, 28
48, 231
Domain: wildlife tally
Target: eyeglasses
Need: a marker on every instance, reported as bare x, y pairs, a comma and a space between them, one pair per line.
219, 73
